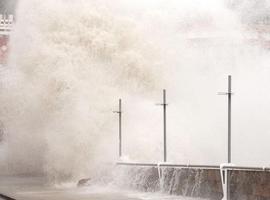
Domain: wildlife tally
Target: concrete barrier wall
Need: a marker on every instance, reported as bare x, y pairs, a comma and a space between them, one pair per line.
203, 183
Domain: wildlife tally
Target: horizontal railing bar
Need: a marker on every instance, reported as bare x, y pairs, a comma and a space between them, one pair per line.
247, 168
192, 166
170, 165
137, 164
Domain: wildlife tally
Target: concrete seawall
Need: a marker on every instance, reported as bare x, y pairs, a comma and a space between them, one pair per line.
203, 183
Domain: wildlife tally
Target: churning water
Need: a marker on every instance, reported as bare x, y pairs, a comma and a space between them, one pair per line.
34, 188
70, 61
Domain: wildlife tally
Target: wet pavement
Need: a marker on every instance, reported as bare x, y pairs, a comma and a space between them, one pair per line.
35, 188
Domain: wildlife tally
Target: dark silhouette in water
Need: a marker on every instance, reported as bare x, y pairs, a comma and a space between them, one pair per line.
2, 196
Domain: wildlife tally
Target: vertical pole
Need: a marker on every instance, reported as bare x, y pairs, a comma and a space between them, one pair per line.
164, 126
120, 128
229, 133
119, 112
229, 159
229, 116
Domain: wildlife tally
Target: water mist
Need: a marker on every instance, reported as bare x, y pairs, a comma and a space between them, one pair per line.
70, 61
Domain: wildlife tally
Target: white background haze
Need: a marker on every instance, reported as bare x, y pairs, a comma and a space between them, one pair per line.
71, 60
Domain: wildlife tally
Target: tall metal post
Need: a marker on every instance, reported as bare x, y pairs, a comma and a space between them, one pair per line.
229, 159
119, 112
164, 104
229, 94
229, 117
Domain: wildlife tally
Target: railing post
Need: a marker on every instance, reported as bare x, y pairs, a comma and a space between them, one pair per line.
164, 104
229, 159
119, 112
229, 117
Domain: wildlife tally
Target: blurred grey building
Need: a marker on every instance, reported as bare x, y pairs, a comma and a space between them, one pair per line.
7, 6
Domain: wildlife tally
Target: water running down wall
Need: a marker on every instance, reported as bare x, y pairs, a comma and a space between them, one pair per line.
201, 183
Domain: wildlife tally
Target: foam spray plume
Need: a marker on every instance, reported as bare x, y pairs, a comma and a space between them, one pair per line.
70, 61
67, 70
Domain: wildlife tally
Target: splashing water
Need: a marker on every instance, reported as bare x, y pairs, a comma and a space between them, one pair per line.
67, 70
70, 61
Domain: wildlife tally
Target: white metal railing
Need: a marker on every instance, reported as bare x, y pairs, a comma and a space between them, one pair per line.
230, 167
224, 171
6, 22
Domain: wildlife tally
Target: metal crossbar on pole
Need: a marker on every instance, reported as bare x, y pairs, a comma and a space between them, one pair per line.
164, 104
119, 112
